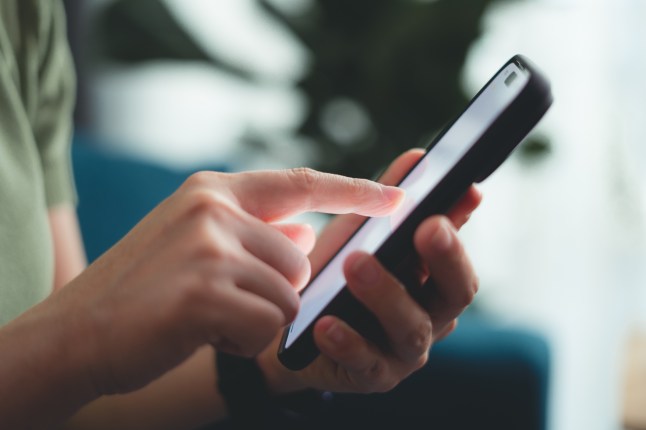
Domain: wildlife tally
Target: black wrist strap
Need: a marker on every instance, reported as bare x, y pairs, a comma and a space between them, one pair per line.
245, 392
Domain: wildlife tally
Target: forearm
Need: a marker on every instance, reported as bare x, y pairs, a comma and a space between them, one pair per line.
42, 381
44, 360
184, 398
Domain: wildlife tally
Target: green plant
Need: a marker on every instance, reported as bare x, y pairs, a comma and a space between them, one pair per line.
385, 75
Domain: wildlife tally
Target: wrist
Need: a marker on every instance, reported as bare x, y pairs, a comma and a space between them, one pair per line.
280, 380
41, 369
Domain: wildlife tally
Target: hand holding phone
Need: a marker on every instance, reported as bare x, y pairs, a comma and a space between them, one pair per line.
467, 151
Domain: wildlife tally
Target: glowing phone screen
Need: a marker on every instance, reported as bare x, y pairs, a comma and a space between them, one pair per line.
419, 182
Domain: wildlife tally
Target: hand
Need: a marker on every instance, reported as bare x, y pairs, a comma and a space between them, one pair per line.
204, 267
349, 363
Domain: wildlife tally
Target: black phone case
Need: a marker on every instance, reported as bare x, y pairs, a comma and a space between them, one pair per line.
397, 254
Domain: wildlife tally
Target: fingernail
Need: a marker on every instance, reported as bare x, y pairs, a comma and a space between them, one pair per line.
335, 334
394, 193
365, 271
442, 239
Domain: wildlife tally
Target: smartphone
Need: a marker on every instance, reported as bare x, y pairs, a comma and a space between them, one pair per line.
467, 151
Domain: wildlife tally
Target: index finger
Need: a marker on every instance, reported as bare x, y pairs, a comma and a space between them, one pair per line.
459, 213
340, 229
278, 194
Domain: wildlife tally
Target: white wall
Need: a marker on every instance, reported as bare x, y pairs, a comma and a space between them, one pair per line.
560, 246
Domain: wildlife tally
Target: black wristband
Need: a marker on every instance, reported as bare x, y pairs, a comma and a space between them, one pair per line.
245, 392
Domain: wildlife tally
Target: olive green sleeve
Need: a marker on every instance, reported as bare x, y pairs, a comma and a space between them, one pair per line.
53, 122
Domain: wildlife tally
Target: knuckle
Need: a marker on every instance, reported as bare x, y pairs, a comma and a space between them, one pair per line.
465, 297
305, 177
475, 284
388, 385
383, 384
190, 295
210, 232
455, 252
204, 200
224, 259
217, 251
207, 245
375, 375
419, 339
200, 179
360, 189
210, 252
421, 361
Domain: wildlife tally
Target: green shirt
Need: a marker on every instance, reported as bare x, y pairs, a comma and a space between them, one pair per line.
37, 91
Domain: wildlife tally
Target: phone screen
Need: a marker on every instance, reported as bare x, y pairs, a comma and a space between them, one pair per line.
419, 182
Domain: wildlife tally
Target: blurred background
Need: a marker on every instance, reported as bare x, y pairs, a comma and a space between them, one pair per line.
346, 85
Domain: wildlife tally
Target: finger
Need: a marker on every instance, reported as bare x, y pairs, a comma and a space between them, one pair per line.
229, 231
461, 211
249, 274
454, 280
365, 368
256, 277
245, 323
340, 228
392, 176
407, 325
446, 331
275, 195
275, 249
401, 166
302, 235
